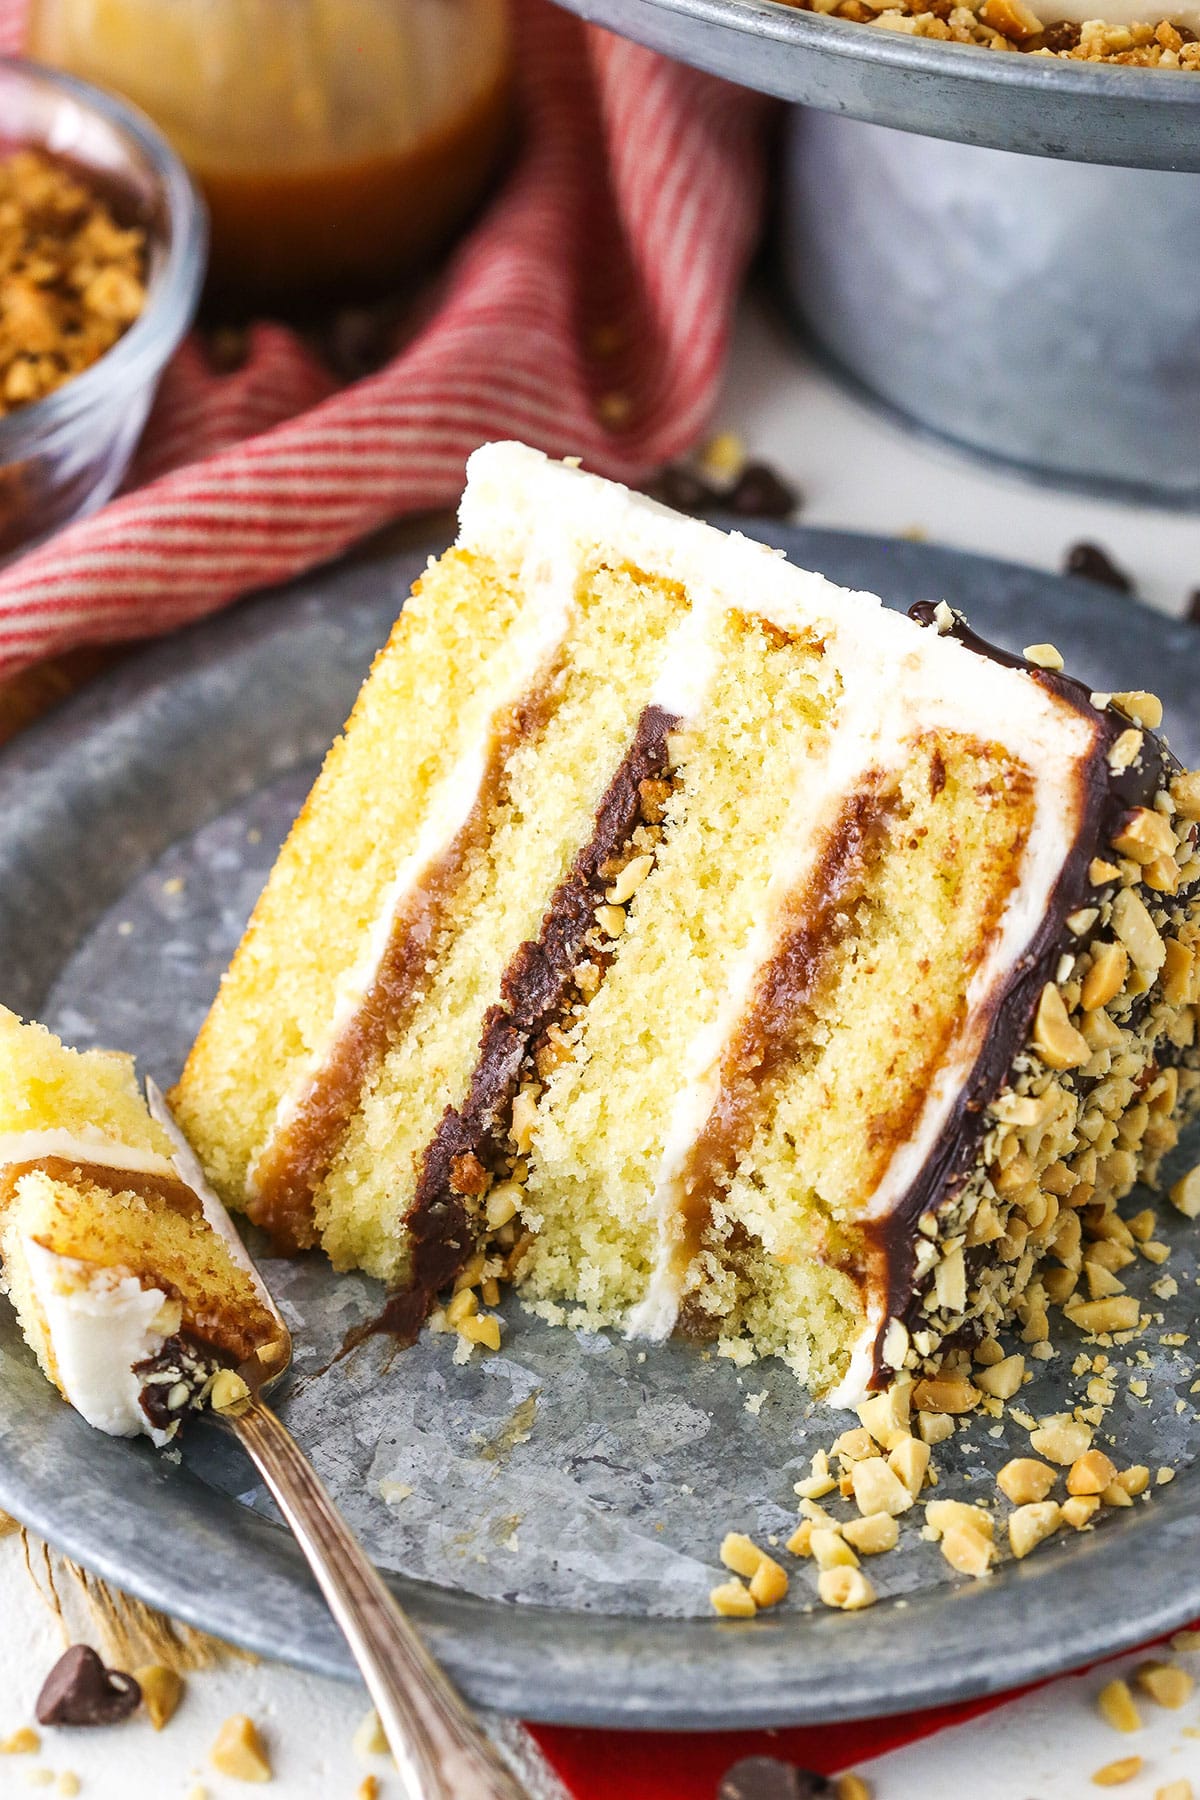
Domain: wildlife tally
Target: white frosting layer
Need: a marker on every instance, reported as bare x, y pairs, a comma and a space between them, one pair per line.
80, 1147
99, 1323
898, 679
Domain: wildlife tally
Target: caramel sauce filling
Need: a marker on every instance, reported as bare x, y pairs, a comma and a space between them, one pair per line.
298, 1157
169, 1190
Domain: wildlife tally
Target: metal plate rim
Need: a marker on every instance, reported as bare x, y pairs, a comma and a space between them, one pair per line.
195, 1553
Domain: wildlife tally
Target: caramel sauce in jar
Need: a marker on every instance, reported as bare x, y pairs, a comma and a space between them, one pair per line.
338, 143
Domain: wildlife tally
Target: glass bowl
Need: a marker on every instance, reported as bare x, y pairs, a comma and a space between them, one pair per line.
65, 455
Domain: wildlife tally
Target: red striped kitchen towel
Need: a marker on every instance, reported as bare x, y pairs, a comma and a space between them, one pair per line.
588, 313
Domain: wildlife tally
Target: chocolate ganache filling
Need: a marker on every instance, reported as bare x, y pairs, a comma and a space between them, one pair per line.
176, 1379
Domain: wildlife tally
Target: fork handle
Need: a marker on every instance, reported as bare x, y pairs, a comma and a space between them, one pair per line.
440, 1751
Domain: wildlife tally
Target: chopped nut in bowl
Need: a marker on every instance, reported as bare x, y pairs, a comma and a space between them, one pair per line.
102, 251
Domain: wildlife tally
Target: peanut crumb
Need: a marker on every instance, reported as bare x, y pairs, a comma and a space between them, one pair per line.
846, 1589
1024, 1480
733, 1600
852, 1787
369, 1739
1091, 1473
239, 1751
22, 1742
768, 1584
872, 1535
1165, 1683
162, 1690
740, 1553
1061, 1440
1115, 1705
1031, 1525
1115, 1774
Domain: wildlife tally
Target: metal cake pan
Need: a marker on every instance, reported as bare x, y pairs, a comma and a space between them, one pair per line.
1043, 106
550, 1515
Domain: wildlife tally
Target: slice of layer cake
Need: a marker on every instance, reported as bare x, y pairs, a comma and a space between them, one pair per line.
710, 949
131, 1287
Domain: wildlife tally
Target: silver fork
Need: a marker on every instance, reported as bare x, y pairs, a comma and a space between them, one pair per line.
440, 1750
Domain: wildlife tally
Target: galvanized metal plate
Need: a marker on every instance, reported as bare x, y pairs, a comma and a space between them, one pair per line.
551, 1514
1039, 105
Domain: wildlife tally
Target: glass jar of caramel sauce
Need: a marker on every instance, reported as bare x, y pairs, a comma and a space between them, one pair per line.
338, 143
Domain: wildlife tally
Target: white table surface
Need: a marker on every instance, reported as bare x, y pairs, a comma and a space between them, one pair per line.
859, 471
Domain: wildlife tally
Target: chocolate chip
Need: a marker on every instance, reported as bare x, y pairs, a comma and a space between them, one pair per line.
761, 493
1095, 564
1063, 35
680, 489
765, 1778
359, 340
1192, 615
79, 1690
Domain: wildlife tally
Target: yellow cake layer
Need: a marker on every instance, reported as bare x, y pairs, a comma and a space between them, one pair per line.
45, 1086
